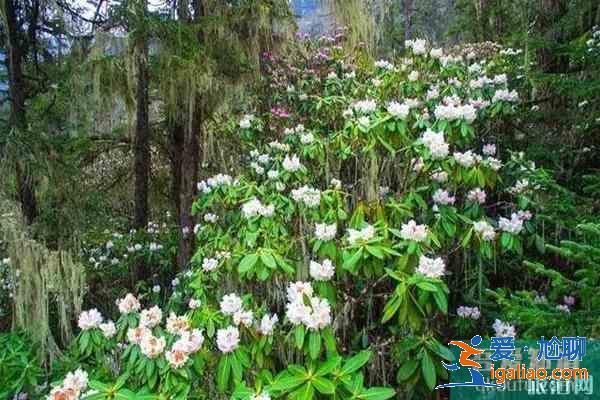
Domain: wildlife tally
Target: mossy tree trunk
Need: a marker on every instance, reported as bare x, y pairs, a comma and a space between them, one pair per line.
17, 45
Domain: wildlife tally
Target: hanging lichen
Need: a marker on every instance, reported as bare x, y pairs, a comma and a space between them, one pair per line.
51, 286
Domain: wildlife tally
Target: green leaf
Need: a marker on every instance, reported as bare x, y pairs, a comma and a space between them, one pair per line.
223, 373
329, 366
356, 362
378, 393
268, 260
286, 384
306, 392
407, 370
428, 370
427, 286
247, 263
314, 344
350, 262
299, 334
391, 308
323, 386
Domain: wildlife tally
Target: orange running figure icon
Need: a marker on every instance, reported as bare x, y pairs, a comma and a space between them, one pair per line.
467, 352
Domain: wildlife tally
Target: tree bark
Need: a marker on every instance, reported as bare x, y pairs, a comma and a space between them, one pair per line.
18, 118
188, 175
408, 12
142, 135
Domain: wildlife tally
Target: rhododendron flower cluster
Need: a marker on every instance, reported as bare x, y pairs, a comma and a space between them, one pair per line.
513, 225
304, 308
310, 197
129, 303
468, 312
291, 163
413, 231
90, 319
504, 329
73, 386
431, 267
254, 207
228, 339
442, 197
476, 195
485, 229
357, 235
436, 144
267, 324
325, 231
323, 271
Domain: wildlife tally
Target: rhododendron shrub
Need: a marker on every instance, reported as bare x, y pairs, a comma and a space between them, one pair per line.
366, 188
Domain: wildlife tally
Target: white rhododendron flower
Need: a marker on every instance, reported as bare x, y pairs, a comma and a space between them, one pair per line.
190, 341
365, 234
513, 225
228, 339
90, 319
384, 64
504, 329
135, 335
466, 159
489, 149
151, 317
267, 324
413, 76
297, 290
243, 317
307, 138
254, 207
177, 325
152, 346
230, 304
194, 304
398, 110
209, 264
413, 231
431, 267
442, 197
486, 230
435, 142
325, 232
506, 95
476, 195
418, 46
108, 329
310, 197
176, 358
320, 316
440, 176
246, 121
291, 163
323, 271
468, 312
365, 106
128, 304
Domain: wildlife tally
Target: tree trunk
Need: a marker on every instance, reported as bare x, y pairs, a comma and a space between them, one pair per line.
142, 162
190, 157
551, 12
189, 177
142, 135
408, 12
18, 118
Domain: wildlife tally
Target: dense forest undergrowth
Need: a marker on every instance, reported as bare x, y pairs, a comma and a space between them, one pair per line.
199, 201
